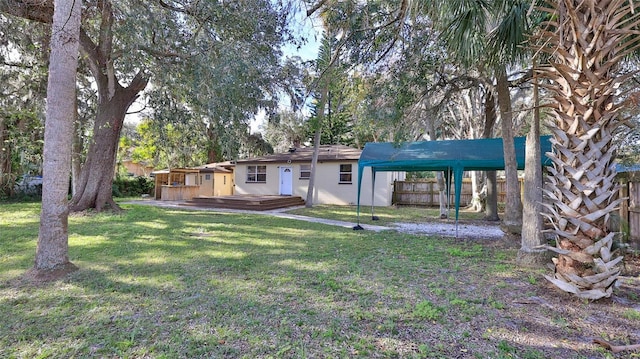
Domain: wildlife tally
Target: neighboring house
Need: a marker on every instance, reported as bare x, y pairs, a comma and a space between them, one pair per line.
177, 184
136, 169
335, 181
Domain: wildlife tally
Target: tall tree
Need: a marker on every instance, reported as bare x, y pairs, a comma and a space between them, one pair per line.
586, 41
530, 253
177, 44
52, 249
326, 71
492, 32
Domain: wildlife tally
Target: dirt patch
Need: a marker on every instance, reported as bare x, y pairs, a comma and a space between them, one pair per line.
538, 315
461, 230
37, 277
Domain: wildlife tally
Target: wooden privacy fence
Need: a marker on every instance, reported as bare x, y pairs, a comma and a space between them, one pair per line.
424, 192
630, 209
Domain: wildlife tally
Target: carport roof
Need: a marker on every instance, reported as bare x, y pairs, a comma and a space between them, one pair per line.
452, 156
469, 155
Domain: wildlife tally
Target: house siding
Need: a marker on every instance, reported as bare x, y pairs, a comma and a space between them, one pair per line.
214, 186
327, 189
223, 184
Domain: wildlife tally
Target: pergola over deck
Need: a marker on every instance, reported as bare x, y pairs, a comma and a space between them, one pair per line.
172, 183
451, 156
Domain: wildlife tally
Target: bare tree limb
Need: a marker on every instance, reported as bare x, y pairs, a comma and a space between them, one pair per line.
316, 7
616, 348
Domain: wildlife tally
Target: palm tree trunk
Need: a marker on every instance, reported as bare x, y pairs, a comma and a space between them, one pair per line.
53, 245
324, 94
491, 206
512, 221
314, 164
588, 43
530, 253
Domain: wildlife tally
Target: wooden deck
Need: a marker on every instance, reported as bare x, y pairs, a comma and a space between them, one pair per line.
247, 202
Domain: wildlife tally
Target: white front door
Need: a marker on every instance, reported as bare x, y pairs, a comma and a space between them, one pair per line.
286, 181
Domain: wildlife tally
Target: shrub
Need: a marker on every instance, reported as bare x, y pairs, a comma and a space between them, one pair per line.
132, 186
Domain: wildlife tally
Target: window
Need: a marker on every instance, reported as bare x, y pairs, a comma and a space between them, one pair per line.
207, 177
345, 173
305, 171
257, 174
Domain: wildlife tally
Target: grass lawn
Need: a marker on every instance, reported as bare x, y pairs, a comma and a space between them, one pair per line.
167, 283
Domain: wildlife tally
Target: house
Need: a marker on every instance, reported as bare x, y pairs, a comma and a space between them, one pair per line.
335, 181
136, 169
177, 184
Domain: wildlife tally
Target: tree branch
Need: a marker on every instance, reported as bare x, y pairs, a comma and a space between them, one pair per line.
35, 10
316, 7
90, 50
18, 65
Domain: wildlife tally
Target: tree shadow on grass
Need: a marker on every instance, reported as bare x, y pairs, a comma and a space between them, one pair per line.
198, 284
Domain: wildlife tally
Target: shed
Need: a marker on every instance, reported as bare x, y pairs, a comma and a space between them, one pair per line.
451, 156
216, 179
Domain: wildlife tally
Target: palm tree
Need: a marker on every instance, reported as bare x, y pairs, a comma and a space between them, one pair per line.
491, 31
53, 245
585, 41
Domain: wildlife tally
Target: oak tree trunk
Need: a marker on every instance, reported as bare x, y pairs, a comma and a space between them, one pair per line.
53, 247
76, 152
96, 177
442, 195
6, 175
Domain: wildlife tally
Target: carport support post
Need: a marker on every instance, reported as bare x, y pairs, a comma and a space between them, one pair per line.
358, 227
449, 177
458, 171
373, 194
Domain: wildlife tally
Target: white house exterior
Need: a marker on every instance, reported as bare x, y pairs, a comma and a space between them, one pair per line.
336, 180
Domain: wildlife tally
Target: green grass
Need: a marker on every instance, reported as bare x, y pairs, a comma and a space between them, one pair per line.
386, 215
164, 283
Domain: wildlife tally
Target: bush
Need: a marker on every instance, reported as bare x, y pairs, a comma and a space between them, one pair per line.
132, 186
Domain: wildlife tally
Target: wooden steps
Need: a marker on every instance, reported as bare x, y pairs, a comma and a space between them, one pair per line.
247, 202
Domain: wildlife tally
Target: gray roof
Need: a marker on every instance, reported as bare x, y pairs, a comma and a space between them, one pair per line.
327, 153
218, 167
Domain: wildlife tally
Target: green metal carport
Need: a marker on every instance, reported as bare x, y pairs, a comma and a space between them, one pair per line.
450, 156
